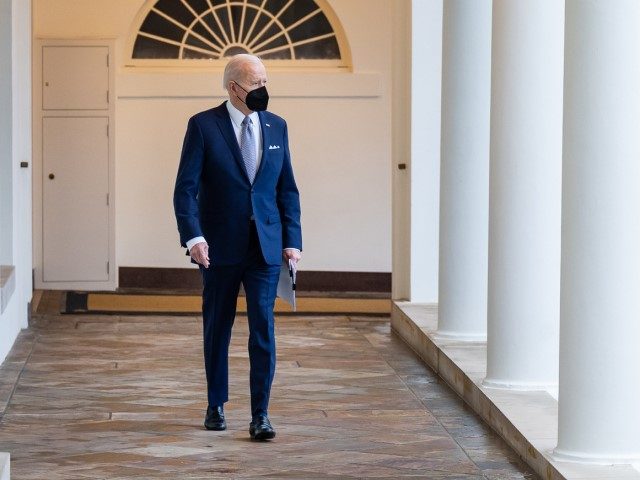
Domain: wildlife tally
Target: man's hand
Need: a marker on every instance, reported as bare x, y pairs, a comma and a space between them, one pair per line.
200, 253
291, 254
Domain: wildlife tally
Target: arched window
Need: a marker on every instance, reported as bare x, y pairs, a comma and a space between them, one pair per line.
213, 29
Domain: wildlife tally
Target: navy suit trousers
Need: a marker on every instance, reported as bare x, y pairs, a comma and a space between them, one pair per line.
221, 285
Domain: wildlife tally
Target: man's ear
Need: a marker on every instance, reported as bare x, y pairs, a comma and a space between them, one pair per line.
236, 88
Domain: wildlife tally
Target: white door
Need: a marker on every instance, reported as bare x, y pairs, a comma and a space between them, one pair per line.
75, 78
75, 199
75, 161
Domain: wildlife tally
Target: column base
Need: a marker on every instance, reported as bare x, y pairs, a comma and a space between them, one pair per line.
519, 386
463, 337
562, 455
5, 473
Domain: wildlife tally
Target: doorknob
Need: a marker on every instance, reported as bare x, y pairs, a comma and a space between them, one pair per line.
51, 176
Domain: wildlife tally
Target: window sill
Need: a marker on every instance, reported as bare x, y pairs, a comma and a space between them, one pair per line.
7, 285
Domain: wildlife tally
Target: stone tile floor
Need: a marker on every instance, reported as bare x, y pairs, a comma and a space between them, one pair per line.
123, 397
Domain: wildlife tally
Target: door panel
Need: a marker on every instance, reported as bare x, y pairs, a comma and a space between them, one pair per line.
75, 78
75, 210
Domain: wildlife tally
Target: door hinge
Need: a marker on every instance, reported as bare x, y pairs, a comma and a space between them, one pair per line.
107, 96
107, 199
107, 60
107, 267
107, 129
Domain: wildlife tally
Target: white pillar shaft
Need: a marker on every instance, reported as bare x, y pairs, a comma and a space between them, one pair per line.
21, 145
424, 169
599, 418
464, 181
525, 193
6, 127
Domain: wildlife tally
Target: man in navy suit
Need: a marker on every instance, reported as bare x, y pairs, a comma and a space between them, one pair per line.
238, 213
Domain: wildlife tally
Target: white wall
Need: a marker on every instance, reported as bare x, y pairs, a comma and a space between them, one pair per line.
339, 125
5, 132
16, 247
401, 151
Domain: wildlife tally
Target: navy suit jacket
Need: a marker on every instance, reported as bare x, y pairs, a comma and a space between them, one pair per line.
214, 198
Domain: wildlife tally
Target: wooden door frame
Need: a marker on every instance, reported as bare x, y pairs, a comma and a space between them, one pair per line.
38, 178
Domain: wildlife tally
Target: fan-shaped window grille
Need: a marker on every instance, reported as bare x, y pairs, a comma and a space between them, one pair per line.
214, 29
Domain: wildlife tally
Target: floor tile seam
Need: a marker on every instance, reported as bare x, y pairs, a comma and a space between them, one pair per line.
415, 395
18, 377
408, 473
470, 475
466, 404
84, 390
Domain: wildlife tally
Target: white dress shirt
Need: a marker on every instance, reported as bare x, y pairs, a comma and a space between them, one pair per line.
236, 121
237, 118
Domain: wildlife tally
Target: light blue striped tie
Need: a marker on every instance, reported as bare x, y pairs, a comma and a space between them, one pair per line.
248, 148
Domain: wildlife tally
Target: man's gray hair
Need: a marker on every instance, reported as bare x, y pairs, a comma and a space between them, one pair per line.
235, 68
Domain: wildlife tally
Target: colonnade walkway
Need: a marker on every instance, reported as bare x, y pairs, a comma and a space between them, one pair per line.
123, 397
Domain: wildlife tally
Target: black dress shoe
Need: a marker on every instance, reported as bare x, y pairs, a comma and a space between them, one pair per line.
215, 419
260, 428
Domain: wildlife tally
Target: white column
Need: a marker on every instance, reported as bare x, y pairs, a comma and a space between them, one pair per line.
426, 91
599, 414
525, 193
6, 127
464, 177
417, 145
21, 144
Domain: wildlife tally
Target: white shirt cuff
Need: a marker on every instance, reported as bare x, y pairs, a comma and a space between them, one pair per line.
291, 248
194, 241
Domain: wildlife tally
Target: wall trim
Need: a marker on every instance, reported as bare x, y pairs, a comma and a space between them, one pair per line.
134, 83
151, 278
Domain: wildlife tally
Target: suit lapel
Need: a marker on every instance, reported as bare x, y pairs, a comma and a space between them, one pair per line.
265, 143
224, 123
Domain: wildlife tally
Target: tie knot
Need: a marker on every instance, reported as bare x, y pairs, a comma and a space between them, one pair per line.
247, 121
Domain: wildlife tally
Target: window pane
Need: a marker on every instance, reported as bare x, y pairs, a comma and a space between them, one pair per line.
268, 34
279, 55
275, 6
278, 42
226, 27
236, 14
199, 6
299, 9
192, 54
196, 42
326, 48
314, 27
161, 27
176, 10
149, 48
201, 30
213, 26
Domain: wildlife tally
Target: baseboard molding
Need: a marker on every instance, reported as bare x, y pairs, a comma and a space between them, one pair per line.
149, 278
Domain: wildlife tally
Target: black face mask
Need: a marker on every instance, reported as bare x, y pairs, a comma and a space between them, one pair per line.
257, 100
